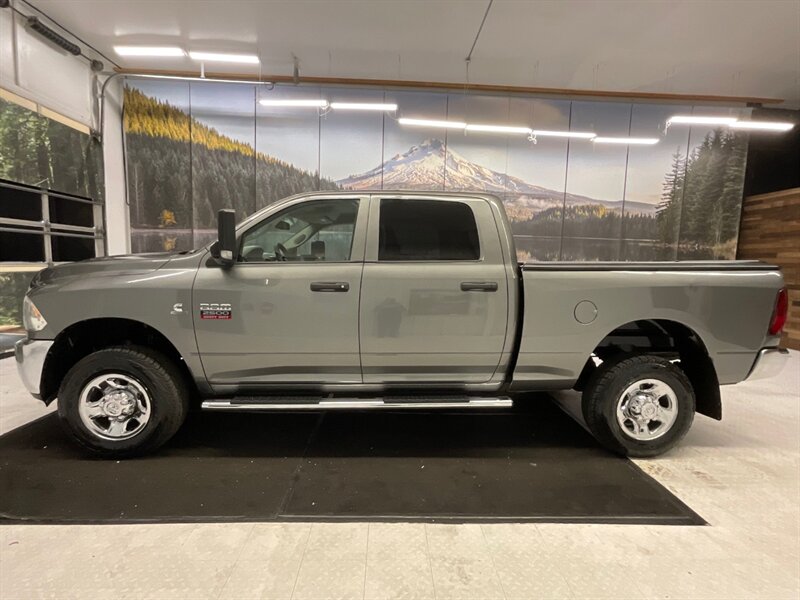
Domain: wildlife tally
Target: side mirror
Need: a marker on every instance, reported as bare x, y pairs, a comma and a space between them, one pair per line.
224, 249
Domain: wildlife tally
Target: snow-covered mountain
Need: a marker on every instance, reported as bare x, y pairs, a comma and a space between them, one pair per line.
426, 165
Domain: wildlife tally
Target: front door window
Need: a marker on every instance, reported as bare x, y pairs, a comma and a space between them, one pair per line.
320, 230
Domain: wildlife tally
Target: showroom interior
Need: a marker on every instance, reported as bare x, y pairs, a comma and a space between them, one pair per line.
584, 162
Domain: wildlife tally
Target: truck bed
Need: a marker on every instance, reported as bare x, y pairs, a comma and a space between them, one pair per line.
570, 308
677, 265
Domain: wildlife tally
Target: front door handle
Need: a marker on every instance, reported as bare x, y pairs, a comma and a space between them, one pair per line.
478, 286
330, 286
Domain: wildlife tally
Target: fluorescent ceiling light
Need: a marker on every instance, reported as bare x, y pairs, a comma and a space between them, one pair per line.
626, 140
363, 106
149, 51
307, 103
701, 120
429, 123
763, 125
250, 59
586, 135
498, 128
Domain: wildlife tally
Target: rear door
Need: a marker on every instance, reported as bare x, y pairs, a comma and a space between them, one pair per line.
287, 312
434, 298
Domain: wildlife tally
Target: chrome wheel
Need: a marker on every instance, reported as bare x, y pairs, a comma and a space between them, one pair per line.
647, 409
114, 406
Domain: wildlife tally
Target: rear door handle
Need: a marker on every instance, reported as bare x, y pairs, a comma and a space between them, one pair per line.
478, 286
330, 286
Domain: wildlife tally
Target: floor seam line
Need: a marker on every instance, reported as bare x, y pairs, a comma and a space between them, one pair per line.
302, 560
430, 560
287, 497
494, 565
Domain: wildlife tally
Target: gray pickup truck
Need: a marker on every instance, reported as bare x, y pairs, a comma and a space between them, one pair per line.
390, 300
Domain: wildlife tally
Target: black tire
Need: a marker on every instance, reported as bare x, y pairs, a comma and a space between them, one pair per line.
160, 378
605, 389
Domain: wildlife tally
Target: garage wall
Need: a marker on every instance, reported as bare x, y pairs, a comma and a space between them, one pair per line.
770, 232
43, 73
46, 116
195, 147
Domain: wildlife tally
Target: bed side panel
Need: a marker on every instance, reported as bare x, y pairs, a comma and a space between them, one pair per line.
729, 310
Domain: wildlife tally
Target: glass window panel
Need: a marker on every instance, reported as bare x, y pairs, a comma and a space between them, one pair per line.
69, 248
413, 156
536, 172
532, 248
712, 194
596, 172
654, 183
427, 230
70, 212
21, 247
287, 141
351, 141
12, 290
223, 152
588, 249
477, 160
321, 230
158, 156
20, 204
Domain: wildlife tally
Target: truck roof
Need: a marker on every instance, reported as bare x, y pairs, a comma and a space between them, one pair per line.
491, 198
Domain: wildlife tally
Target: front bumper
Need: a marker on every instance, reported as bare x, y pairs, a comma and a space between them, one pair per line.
30, 355
769, 362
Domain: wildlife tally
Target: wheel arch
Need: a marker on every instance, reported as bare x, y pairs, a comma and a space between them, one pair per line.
84, 337
666, 337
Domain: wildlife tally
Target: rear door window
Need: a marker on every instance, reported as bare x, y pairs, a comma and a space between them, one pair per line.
420, 230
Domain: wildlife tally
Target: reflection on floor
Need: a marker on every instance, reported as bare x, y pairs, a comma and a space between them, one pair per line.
742, 475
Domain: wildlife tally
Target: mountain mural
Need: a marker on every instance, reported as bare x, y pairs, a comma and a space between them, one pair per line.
428, 165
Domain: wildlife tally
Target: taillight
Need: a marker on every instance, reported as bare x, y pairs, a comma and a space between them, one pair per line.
779, 314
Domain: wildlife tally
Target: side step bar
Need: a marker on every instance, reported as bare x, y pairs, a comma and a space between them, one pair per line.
355, 404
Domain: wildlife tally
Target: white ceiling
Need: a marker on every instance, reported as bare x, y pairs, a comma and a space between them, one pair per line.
743, 48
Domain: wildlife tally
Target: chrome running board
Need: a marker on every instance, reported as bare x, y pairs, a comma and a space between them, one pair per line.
258, 404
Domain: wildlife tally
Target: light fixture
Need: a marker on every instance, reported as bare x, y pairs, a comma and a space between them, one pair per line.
498, 128
700, 120
300, 103
158, 51
626, 140
763, 125
586, 135
250, 59
432, 123
363, 106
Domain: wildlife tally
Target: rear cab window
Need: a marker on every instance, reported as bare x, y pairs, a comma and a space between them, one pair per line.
427, 230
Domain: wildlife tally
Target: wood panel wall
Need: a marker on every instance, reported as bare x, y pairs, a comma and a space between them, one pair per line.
770, 231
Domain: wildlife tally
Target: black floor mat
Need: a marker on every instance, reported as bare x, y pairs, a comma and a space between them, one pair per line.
530, 464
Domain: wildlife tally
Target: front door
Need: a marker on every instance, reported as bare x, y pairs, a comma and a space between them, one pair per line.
287, 311
434, 301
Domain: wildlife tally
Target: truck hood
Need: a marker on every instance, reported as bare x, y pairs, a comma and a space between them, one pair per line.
107, 266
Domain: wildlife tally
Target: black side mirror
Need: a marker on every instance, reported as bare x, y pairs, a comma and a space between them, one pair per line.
224, 249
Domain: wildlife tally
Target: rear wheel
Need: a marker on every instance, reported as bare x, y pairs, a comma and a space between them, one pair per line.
122, 401
639, 406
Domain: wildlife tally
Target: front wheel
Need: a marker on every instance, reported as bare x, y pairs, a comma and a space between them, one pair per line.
639, 406
122, 401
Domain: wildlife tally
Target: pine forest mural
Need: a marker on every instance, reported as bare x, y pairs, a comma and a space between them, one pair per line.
195, 148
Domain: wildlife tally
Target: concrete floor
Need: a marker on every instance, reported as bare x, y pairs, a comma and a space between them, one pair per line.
742, 475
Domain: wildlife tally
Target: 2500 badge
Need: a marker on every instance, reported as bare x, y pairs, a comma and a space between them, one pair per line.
215, 311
